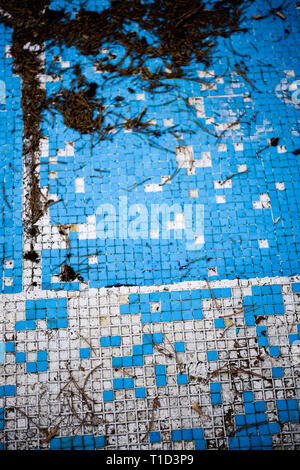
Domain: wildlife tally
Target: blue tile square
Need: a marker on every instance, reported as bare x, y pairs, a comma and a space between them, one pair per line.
215, 387
42, 366
200, 444
154, 436
140, 392
138, 361
115, 340
274, 351
216, 399
248, 397
100, 441
20, 357
177, 435
9, 347
161, 380
42, 355
187, 434
160, 370
219, 323
197, 433
212, 355
105, 341
182, 379
31, 367
108, 395
179, 347
84, 353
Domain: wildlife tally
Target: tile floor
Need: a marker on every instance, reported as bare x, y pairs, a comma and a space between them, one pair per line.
184, 336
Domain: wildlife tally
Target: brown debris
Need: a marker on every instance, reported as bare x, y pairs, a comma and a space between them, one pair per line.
155, 405
67, 274
31, 255
196, 407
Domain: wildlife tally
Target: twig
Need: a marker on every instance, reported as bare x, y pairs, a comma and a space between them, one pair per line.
231, 176
232, 124
206, 130
86, 398
89, 374
44, 431
190, 262
213, 297
88, 343
4, 197
171, 177
155, 405
248, 372
239, 311
131, 188
251, 425
242, 73
53, 431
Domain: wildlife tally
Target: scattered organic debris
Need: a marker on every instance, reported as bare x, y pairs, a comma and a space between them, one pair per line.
125, 372
229, 421
272, 12
81, 111
69, 394
48, 433
213, 296
155, 405
131, 188
257, 17
53, 431
63, 230
181, 32
229, 323
273, 143
190, 262
88, 343
196, 407
230, 126
67, 274
252, 425
31, 255
160, 349
4, 197
85, 397
241, 70
234, 370
89, 375
231, 176
281, 15
241, 310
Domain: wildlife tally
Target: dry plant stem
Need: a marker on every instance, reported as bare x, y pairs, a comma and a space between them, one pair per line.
88, 343
4, 197
49, 434
155, 405
86, 398
234, 370
251, 425
42, 430
53, 431
234, 174
237, 312
213, 296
